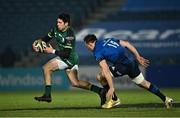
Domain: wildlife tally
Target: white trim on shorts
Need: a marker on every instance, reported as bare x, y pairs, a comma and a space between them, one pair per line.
62, 65
139, 79
111, 74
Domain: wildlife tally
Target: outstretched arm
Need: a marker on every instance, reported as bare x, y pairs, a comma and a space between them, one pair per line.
139, 58
108, 77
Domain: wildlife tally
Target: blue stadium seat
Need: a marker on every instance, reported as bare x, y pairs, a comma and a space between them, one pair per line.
24, 20
147, 10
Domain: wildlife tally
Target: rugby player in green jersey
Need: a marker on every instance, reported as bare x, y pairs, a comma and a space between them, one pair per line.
67, 59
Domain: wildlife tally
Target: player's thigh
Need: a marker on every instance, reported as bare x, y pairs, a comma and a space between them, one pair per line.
118, 70
134, 70
55, 64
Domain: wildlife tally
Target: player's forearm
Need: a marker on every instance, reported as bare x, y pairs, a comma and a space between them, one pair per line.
108, 77
106, 72
133, 49
130, 47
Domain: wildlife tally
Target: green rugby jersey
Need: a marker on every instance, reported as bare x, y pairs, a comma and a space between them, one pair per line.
64, 40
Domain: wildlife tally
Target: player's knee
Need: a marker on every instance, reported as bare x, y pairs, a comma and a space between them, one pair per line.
145, 84
139, 79
99, 76
75, 85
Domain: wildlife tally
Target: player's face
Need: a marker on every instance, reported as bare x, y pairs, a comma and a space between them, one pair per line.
89, 46
61, 25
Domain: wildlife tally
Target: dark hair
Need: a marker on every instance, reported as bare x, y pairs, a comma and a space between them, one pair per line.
90, 38
65, 18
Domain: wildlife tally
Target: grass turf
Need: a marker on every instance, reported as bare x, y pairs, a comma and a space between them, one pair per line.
83, 103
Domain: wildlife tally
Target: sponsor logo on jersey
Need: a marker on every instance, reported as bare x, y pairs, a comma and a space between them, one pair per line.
70, 38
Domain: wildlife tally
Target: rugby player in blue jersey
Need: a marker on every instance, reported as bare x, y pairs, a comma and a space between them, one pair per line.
124, 59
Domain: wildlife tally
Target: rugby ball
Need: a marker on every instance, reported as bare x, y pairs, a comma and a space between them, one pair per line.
39, 45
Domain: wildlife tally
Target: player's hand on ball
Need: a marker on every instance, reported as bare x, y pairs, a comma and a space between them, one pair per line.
34, 47
48, 49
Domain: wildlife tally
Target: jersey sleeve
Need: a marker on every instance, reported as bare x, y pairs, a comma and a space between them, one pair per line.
51, 33
99, 56
49, 36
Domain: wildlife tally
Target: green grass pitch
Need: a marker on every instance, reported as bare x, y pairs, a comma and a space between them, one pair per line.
82, 103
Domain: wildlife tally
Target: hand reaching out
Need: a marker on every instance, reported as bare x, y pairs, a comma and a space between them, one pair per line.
144, 62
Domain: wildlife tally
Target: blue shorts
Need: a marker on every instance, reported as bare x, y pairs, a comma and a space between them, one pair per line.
131, 69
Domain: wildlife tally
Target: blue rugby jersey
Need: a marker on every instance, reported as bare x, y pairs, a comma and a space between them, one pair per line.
110, 50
